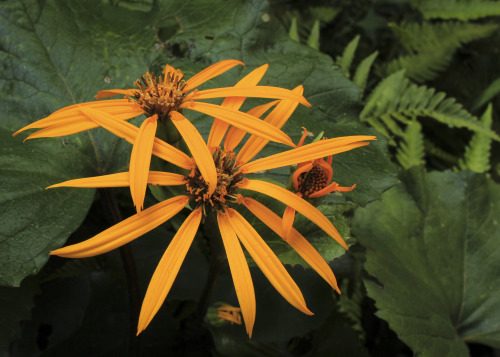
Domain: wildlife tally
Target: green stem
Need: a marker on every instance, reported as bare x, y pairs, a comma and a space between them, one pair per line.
130, 274
217, 260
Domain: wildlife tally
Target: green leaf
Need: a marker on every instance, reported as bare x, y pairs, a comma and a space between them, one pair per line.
396, 98
411, 150
313, 39
457, 9
433, 248
477, 153
430, 46
34, 220
363, 70
294, 32
487, 95
347, 56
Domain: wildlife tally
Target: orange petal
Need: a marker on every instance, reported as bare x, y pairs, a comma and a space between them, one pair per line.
71, 120
129, 132
307, 166
140, 159
299, 204
219, 127
209, 73
241, 120
295, 239
239, 270
112, 92
253, 92
235, 135
308, 152
122, 179
288, 218
331, 188
278, 117
198, 148
126, 230
167, 269
267, 261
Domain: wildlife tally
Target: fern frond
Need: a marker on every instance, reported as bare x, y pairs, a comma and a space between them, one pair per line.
463, 10
477, 154
345, 60
362, 72
313, 39
422, 67
294, 31
397, 98
351, 307
488, 94
415, 37
431, 46
411, 150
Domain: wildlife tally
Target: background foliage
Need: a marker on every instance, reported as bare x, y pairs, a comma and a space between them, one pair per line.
421, 274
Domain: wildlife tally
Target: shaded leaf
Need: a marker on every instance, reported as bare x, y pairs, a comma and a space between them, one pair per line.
436, 273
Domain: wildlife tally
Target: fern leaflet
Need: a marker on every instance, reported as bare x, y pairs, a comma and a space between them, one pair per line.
477, 154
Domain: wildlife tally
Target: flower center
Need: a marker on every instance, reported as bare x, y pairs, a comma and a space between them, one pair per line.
160, 95
227, 178
313, 180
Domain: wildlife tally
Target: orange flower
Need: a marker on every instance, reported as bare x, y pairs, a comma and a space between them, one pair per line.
311, 179
229, 313
163, 98
229, 185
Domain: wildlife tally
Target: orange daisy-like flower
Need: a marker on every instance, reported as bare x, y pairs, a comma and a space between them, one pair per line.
311, 179
162, 98
229, 313
230, 184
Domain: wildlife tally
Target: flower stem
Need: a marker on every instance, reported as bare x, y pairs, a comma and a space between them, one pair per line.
130, 274
217, 259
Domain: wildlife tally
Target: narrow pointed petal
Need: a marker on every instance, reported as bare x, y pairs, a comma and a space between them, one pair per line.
299, 204
126, 230
239, 271
331, 188
308, 152
288, 218
140, 159
253, 92
209, 73
112, 92
278, 117
267, 261
235, 135
198, 148
295, 239
219, 127
71, 120
122, 179
129, 132
241, 120
167, 269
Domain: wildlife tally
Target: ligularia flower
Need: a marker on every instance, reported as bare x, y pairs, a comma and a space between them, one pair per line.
163, 98
215, 184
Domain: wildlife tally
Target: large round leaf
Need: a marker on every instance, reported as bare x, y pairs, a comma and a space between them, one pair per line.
433, 248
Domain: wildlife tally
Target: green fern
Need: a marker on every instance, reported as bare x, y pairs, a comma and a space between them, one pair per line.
463, 10
488, 94
397, 100
351, 306
411, 150
345, 60
431, 46
363, 70
294, 31
477, 154
313, 39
